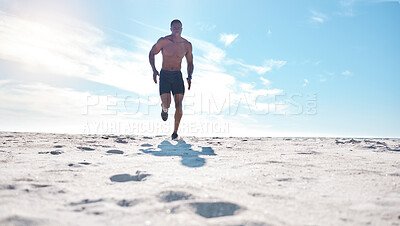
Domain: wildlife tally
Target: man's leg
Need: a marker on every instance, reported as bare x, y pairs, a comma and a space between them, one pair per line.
178, 98
166, 100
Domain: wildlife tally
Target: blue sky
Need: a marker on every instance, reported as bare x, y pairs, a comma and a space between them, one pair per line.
262, 68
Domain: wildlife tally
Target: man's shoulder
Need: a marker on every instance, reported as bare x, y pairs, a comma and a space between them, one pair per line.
186, 42
165, 38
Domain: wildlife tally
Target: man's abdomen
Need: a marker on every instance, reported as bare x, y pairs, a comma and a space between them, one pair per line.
171, 63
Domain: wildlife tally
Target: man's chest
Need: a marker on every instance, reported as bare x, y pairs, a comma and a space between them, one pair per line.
177, 50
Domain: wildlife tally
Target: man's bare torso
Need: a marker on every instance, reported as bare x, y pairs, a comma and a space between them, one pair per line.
173, 52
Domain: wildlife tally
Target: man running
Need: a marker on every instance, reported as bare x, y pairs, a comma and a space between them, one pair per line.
173, 48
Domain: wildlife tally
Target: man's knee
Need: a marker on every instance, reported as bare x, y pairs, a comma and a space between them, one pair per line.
178, 105
167, 104
166, 101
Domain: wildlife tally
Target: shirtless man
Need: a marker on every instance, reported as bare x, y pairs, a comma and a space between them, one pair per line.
173, 48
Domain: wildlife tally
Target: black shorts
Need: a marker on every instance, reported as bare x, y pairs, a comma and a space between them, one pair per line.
171, 81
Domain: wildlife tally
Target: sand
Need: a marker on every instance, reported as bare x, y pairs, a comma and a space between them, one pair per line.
61, 179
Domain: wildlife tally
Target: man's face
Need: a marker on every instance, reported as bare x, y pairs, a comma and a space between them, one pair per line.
176, 28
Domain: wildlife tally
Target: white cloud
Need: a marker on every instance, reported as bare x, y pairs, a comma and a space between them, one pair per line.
258, 69
149, 26
40, 107
76, 49
38, 98
249, 88
30, 105
396, 1
318, 17
269, 32
347, 7
256, 99
214, 89
265, 81
210, 52
275, 63
347, 73
227, 39
268, 65
305, 82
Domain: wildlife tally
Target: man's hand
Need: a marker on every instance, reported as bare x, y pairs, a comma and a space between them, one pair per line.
155, 73
189, 81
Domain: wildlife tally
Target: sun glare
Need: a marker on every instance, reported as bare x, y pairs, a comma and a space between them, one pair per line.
39, 46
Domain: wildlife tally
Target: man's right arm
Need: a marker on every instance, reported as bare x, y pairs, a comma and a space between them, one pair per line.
154, 51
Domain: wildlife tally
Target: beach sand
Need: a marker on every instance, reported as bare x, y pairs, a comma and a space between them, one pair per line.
61, 179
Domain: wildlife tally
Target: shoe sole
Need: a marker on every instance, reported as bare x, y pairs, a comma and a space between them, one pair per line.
166, 115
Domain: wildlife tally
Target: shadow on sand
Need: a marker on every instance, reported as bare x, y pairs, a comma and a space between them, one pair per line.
190, 157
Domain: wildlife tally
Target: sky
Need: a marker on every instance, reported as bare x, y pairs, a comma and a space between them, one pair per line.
261, 68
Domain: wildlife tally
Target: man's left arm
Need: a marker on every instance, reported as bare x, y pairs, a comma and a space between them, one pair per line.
190, 66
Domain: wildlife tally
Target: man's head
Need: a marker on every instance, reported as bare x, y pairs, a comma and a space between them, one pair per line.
176, 27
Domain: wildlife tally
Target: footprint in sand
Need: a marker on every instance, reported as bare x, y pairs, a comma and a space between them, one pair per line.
51, 152
146, 145
85, 148
126, 177
80, 163
58, 146
339, 142
85, 201
24, 179
215, 209
7, 187
170, 196
127, 203
308, 153
84, 163
397, 148
381, 143
121, 141
115, 152
40, 185
284, 179
256, 194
